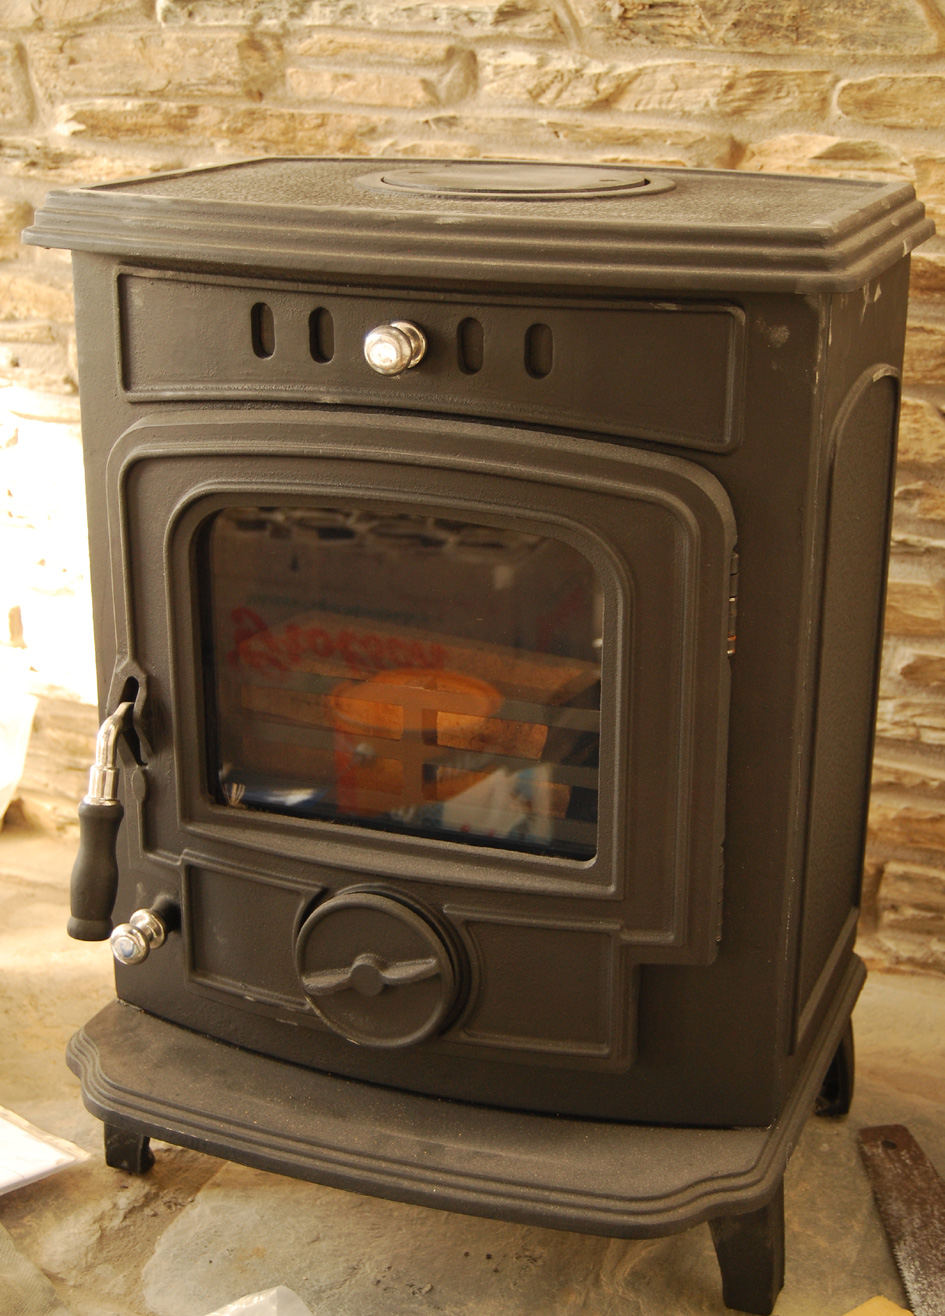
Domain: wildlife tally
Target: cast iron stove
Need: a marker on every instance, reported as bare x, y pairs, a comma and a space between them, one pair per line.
488, 568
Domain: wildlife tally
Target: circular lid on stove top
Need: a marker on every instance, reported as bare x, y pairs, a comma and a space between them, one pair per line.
514, 180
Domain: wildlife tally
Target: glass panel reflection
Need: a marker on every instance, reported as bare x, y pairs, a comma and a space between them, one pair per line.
405, 673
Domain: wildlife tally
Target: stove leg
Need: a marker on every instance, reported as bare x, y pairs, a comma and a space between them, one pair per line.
837, 1090
127, 1151
750, 1251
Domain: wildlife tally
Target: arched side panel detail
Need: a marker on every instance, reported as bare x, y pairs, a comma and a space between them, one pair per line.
850, 643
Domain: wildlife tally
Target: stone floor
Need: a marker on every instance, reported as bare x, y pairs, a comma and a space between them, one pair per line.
197, 1233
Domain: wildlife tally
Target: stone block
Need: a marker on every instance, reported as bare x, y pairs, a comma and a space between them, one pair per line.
794, 93
678, 23
906, 951
927, 278
923, 499
924, 361
854, 26
25, 331
915, 721
776, 26
347, 1255
529, 18
687, 86
434, 148
926, 669
14, 217
628, 156
920, 774
921, 432
65, 13
626, 141
908, 100
404, 91
246, 129
911, 898
660, 87
910, 826
914, 607
675, 87
566, 81
151, 62
33, 356
16, 99
821, 153
39, 366
32, 295
510, 135
474, 132
869, 891
356, 49
56, 774
929, 172
37, 159
395, 72
17, 13
908, 541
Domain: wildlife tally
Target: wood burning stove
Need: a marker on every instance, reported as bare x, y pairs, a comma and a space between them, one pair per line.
488, 564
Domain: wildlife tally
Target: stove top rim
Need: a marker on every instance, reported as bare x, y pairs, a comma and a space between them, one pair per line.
451, 251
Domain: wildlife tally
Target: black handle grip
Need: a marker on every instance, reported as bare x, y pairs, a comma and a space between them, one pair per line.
95, 872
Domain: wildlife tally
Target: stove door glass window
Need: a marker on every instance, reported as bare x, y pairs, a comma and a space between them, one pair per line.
403, 672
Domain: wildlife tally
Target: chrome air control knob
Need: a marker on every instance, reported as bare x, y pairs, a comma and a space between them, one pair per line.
390, 349
133, 942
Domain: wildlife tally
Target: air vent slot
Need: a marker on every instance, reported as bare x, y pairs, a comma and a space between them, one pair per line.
321, 335
264, 330
469, 346
539, 351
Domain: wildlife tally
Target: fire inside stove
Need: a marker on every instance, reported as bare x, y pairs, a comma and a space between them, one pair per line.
404, 672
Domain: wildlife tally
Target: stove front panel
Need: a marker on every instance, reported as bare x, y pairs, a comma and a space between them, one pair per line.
439, 719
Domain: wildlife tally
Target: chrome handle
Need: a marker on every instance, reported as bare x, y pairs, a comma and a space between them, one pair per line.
95, 872
103, 774
390, 349
369, 975
133, 942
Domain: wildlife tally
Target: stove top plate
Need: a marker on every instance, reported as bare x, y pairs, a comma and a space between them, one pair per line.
534, 182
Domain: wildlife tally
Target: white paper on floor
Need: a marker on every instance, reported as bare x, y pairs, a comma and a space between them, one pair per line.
279, 1301
24, 1290
28, 1154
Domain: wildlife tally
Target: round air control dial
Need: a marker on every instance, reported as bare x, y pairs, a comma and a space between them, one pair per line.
390, 349
377, 970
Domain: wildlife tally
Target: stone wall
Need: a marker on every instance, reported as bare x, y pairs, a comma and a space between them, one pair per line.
92, 90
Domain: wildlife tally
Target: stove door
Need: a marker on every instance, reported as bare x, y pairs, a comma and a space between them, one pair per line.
439, 719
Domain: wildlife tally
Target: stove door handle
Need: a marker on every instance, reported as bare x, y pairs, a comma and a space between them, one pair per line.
94, 883
369, 975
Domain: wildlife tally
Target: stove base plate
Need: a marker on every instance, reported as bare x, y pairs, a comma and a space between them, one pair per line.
145, 1076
